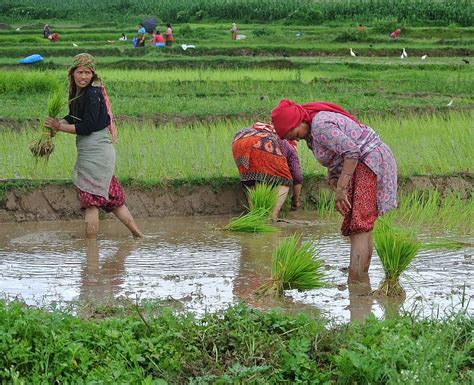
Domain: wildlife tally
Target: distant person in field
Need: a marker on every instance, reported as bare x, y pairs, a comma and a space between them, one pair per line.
169, 35
233, 31
46, 31
90, 119
262, 157
361, 169
54, 37
157, 39
140, 36
395, 33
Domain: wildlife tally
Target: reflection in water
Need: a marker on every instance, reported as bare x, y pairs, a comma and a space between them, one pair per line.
191, 261
101, 282
360, 298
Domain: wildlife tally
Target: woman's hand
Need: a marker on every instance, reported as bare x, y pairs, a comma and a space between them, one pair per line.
52, 123
342, 203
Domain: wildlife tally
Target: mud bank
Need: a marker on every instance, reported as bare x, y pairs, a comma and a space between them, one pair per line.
28, 201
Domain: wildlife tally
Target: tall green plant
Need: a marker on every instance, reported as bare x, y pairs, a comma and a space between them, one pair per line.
396, 248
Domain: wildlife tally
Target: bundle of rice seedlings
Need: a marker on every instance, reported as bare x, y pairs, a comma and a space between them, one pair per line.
263, 196
396, 248
254, 221
44, 146
293, 267
262, 199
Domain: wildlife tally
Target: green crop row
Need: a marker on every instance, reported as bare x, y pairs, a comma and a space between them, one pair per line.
307, 11
422, 145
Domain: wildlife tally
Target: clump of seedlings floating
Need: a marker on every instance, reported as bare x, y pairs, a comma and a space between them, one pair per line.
294, 266
44, 146
262, 200
396, 248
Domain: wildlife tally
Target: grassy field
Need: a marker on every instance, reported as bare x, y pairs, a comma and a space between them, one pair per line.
237, 345
178, 110
422, 145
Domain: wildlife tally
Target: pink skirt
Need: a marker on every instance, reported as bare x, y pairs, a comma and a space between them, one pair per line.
116, 197
362, 193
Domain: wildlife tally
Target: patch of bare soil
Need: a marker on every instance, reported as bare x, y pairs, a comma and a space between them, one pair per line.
60, 202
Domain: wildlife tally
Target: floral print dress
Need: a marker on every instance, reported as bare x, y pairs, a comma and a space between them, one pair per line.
334, 137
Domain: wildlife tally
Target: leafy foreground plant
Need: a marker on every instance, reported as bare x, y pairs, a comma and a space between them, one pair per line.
293, 267
396, 249
232, 346
262, 199
44, 146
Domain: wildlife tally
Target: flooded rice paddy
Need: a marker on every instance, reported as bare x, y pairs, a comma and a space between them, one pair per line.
192, 264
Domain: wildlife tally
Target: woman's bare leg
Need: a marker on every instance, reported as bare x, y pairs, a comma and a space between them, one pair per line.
282, 193
361, 254
123, 214
92, 222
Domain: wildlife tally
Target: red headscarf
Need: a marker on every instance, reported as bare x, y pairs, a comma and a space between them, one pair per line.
288, 114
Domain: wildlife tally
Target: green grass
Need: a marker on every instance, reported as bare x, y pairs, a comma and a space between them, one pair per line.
426, 145
190, 94
388, 13
235, 345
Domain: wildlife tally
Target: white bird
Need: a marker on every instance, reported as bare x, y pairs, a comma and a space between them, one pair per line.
17, 29
74, 45
424, 57
450, 103
298, 34
353, 54
402, 56
404, 53
185, 47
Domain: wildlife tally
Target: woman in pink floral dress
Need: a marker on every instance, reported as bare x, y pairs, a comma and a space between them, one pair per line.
361, 168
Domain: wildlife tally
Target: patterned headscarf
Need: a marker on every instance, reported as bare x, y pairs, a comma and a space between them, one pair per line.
88, 61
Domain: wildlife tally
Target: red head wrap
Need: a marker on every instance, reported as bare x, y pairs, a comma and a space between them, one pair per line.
288, 114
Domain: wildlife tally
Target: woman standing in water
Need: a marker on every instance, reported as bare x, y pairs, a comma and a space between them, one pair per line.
361, 169
90, 119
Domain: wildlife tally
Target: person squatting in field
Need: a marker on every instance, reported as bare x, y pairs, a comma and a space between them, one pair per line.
90, 119
262, 157
361, 168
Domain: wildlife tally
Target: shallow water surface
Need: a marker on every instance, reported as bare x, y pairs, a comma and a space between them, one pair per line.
191, 262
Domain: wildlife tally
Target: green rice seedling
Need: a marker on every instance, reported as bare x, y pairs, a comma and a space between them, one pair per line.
262, 199
255, 221
293, 267
263, 196
44, 146
396, 248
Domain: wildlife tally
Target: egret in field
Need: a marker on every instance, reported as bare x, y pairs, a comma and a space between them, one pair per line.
74, 45
450, 103
17, 29
402, 56
404, 53
424, 57
353, 54
185, 47
298, 34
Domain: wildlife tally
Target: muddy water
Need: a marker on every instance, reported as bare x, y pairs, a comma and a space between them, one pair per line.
190, 263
